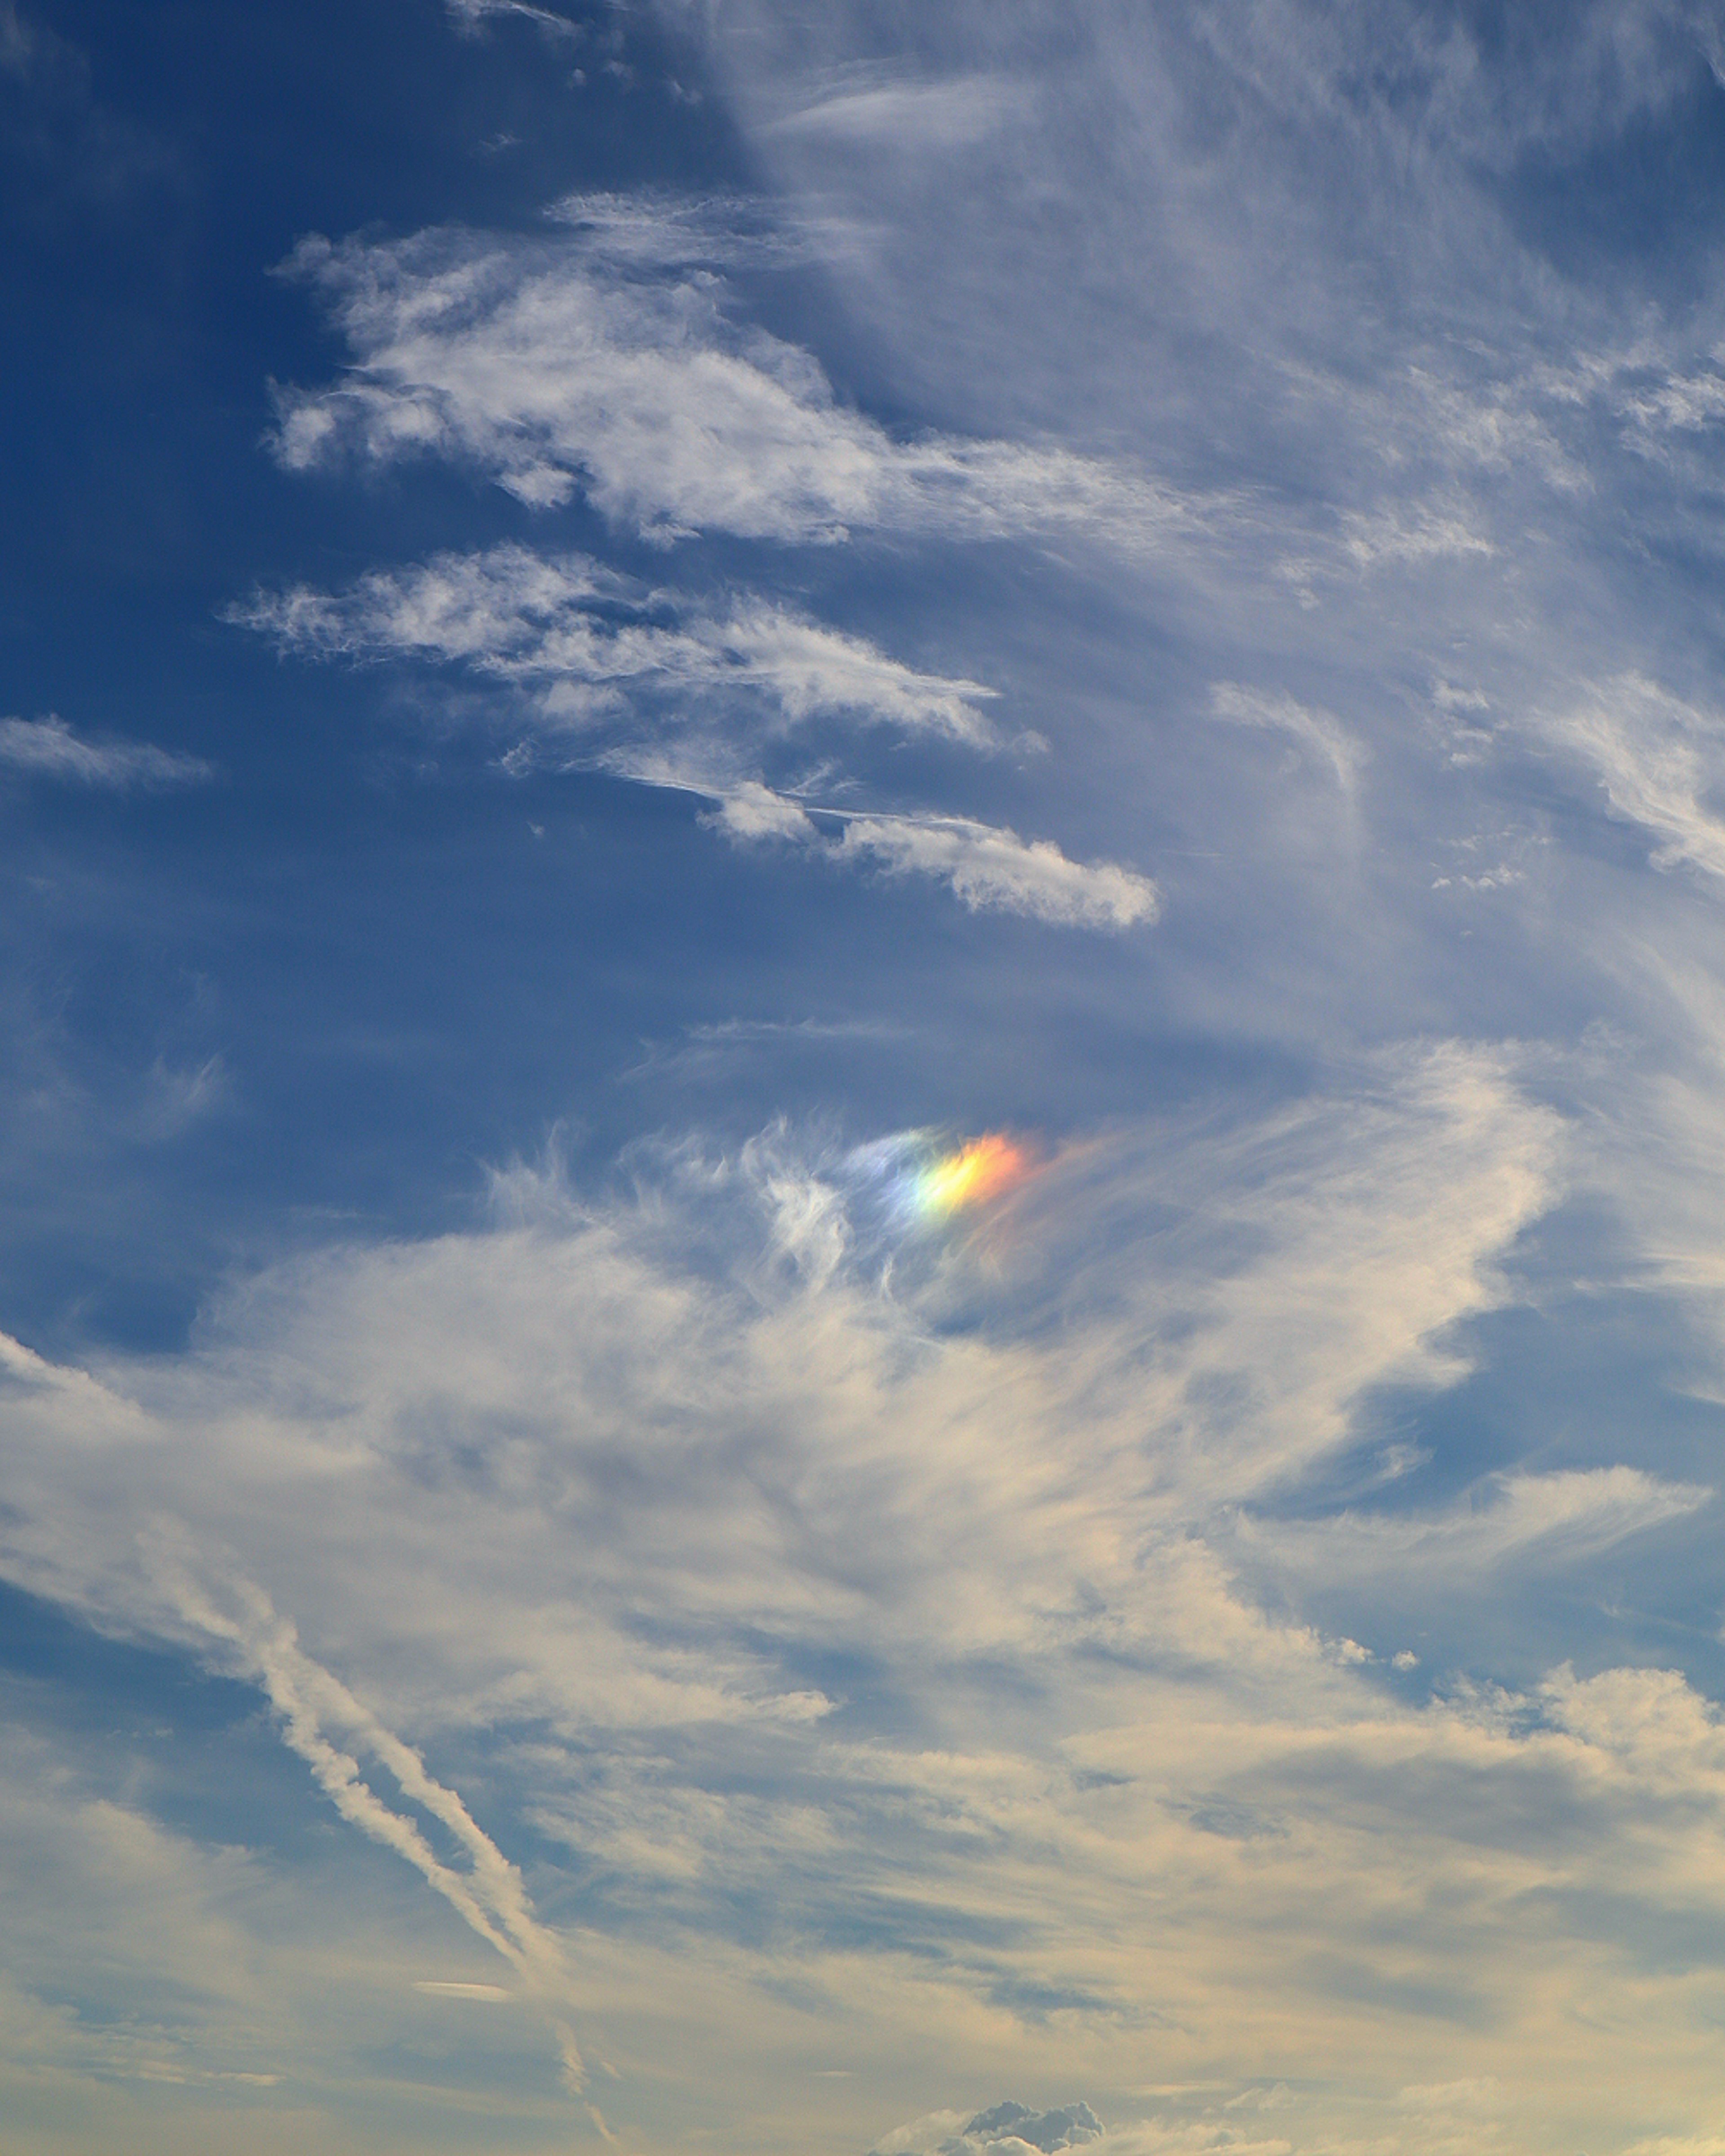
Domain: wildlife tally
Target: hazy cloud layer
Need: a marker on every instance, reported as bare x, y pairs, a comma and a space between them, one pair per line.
667, 1448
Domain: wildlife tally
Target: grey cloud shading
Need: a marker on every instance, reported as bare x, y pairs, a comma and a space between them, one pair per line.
1009, 2127
48, 748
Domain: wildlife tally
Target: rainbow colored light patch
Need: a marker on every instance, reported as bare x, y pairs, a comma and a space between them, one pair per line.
983, 1169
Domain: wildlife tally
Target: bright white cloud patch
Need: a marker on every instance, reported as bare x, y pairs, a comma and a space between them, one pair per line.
1659, 761
555, 366
586, 637
603, 658
988, 868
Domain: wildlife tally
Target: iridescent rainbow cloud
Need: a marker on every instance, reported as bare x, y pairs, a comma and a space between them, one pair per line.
977, 1171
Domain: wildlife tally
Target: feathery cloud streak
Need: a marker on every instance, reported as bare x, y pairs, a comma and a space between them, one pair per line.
986, 867
594, 646
558, 367
48, 748
589, 637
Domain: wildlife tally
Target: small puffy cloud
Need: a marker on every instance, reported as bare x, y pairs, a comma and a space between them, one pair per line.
750, 813
48, 748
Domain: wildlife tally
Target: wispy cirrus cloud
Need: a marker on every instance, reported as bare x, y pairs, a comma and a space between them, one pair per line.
876, 106
1319, 733
470, 14
1659, 761
590, 639
48, 748
1528, 1519
562, 368
988, 867
1067, 1704
484, 1888
635, 672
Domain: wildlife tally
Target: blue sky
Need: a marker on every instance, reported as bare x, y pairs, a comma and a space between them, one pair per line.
860, 1281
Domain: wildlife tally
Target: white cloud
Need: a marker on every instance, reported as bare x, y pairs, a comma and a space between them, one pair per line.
554, 367
1319, 731
655, 232
1658, 759
908, 114
50, 748
587, 639
575, 1503
993, 869
1524, 1518
987, 868
470, 14
592, 648
1419, 533
593, 645
485, 1890
751, 813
